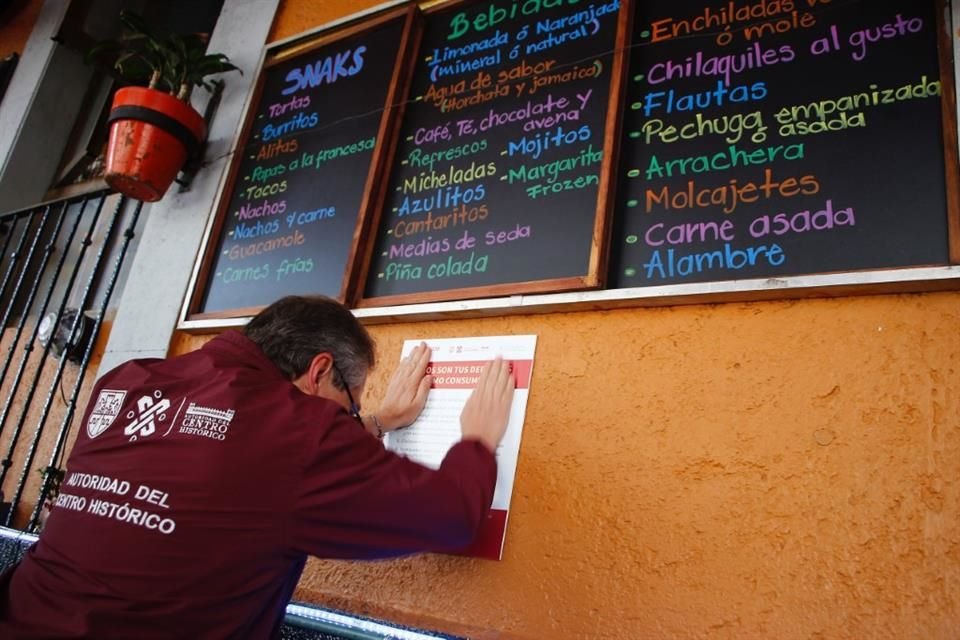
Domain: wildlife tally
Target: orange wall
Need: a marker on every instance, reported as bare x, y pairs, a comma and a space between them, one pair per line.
765, 470
16, 26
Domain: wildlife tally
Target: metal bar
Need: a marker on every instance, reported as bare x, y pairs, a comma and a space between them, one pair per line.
6, 232
340, 624
29, 346
78, 383
7, 237
45, 411
23, 316
330, 629
14, 260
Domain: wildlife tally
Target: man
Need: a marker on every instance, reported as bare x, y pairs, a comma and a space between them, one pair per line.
199, 484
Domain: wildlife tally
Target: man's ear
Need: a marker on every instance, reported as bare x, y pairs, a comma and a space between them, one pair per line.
320, 366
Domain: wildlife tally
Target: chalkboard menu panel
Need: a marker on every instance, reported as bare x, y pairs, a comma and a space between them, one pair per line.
780, 137
300, 191
498, 180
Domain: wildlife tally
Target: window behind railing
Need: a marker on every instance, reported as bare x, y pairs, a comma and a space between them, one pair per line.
60, 264
7, 67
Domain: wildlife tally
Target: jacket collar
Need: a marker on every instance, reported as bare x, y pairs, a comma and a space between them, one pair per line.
233, 344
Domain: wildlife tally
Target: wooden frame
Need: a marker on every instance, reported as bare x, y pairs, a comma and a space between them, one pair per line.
948, 106
947, 53
384, 154
595, 275
199, 284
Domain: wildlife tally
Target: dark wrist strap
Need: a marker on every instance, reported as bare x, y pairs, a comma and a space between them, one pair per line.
376, 423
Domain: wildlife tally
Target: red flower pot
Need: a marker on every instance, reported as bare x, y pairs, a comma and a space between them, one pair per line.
151, 135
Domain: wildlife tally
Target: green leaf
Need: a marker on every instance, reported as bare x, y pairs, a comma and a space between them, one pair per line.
176, 59
134, 23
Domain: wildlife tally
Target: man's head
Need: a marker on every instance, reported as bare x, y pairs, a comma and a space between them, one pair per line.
314, 340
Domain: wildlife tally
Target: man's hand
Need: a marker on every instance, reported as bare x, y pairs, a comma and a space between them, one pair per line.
487, 411
407, 390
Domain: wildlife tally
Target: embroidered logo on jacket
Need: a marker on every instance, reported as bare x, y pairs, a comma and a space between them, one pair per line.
105, 411
206, 421
150, 410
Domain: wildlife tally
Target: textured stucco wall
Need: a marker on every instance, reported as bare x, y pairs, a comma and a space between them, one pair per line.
297, 16
764, 470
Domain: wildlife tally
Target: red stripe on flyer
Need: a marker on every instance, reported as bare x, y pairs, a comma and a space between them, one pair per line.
465, 374
489, 541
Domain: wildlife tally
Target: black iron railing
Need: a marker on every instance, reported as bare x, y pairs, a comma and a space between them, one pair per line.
60, 265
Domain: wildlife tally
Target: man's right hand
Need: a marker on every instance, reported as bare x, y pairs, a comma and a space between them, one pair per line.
487, 411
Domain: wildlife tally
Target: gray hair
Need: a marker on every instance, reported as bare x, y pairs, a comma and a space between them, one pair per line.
294, 329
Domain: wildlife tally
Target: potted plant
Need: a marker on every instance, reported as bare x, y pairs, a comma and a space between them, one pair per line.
153, 128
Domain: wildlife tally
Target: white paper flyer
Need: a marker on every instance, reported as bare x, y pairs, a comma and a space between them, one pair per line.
455, 364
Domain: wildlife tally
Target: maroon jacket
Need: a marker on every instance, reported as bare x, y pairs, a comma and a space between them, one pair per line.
196, 489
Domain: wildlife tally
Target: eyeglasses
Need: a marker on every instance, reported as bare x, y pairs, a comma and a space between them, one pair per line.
354, 407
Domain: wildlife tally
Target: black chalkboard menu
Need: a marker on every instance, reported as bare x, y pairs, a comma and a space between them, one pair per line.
498, 179
299, 193
767, 139
478, 148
